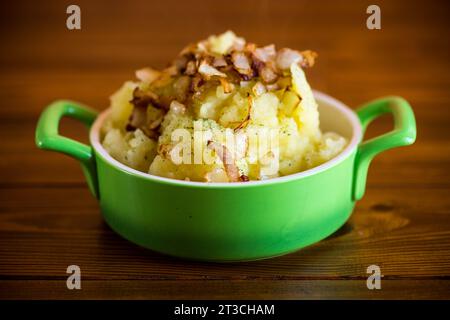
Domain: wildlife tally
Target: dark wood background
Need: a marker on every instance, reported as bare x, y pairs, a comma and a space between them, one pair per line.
49, 220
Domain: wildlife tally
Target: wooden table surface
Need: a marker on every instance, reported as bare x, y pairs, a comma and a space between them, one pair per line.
49, 220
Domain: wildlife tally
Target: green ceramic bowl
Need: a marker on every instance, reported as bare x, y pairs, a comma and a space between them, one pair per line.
232, 221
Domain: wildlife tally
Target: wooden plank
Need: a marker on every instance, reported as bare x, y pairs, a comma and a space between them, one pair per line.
224, 289
52, 228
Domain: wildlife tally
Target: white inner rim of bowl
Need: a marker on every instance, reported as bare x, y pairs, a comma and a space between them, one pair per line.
321, 98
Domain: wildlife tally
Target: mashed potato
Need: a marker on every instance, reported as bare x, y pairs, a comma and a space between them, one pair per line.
224, 111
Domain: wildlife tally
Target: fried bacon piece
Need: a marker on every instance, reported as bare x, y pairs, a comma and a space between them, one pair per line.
143, 99
309, 58
181, 88
196, 83
268, 73
244, 178
155, 123
286, 57
138, 120
180, 63
227, 159
147, 75
258, 89
191, 68
177, 107
189, 49
245, 122
219, 62
138, 116
241, 63
238, 45
164, 150
209, 71
226, 85
265, 54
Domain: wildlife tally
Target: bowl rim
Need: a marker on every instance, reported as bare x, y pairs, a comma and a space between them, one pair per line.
94, 137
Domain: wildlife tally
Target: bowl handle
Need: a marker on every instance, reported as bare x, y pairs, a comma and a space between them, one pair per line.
403, 134
47, 136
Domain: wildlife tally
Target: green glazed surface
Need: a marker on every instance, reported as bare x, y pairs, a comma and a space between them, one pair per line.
227, 222
224, 223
